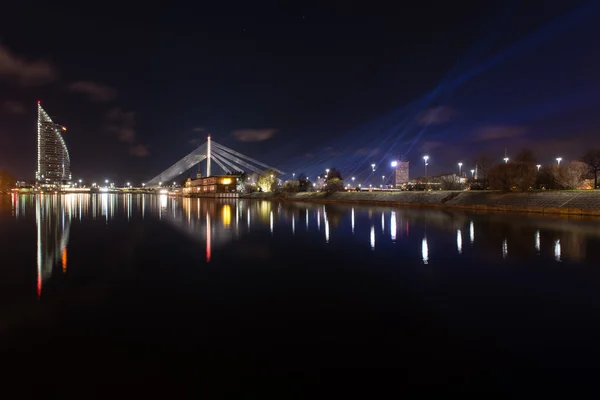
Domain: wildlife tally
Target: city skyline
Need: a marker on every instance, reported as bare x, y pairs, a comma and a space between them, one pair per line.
307, 98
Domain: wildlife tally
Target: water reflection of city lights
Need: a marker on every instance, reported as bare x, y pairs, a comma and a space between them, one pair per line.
393, 225
226, 215
326, 229
382, 222
425, 250
293, 224
271, 221
319, 220
352, 220
472, 232
504, 248
307, 219
459, 241
208, 237
537, 241
248, 217
372, 238
557, 251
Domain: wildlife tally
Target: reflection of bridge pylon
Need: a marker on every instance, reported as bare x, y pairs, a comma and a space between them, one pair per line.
229, 160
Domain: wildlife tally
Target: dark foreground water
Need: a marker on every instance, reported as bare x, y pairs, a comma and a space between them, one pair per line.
259, 298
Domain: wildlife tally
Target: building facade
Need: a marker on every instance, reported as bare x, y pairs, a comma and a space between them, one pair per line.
53, 160
401, 173
211, 185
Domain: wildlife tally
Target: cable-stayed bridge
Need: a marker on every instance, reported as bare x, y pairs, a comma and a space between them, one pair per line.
228, 159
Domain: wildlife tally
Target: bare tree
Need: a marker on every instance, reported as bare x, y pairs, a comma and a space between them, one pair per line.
526, 156
483, 163
451, 182
592, 159
569, 175
512, 176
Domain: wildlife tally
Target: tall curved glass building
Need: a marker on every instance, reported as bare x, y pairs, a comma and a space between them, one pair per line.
53, 161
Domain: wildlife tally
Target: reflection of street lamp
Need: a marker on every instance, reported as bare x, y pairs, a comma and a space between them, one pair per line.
559, 159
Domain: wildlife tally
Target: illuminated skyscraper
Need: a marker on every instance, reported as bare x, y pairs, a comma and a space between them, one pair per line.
53, 161
402, 173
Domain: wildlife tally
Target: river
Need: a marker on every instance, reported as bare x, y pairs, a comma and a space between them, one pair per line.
264, 291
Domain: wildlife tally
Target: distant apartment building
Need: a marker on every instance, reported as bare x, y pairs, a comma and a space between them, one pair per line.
401, 173
53, 161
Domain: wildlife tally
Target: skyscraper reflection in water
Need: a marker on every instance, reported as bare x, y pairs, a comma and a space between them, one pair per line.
53, 225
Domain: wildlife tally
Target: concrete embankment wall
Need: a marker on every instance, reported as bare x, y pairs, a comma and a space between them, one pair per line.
549, 202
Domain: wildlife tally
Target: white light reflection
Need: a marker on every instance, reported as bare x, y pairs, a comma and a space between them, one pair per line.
208, 237
504, 248
382, 223
352, 220
271, 221
459, 241
537, 241
393, 226
248, 217
307, 219
557, 250
425, 250
372, 237
472, 232
319, 220
326, 229
293, 224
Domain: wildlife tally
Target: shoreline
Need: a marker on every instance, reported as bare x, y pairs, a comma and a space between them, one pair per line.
584, 202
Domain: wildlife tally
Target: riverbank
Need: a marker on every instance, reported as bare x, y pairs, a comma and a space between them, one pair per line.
584, 202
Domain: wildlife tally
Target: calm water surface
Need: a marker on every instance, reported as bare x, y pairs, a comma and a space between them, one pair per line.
138, 288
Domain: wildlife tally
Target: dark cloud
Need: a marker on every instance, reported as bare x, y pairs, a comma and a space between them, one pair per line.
436, 115
139, 150
253, 135
14, 107
93, 90
198, 129
25, 72
496, 132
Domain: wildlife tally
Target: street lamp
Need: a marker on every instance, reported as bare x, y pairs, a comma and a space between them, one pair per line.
159, 184
558, 159
459, 168
373, 167
106, 181
505, 160
143, 184
394, 164
472, 173
293, 175
538, 167
327, 170
426, 158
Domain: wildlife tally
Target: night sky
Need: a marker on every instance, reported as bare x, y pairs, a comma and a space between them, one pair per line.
302, 86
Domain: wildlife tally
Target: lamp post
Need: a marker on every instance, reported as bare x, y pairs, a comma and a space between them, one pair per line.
538, 167
426, 158
353, 178
558, 160
505, 160
459, 168
373, 174
472, 173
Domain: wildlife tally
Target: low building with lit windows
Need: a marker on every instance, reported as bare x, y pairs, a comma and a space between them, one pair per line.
212, 186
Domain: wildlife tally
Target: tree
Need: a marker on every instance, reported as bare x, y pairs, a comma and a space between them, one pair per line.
267, 181
334, 185
334, 173
451, 182
7, 181
290, 186
304, 183
592, 159
516, 175
569, 175
483, 163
